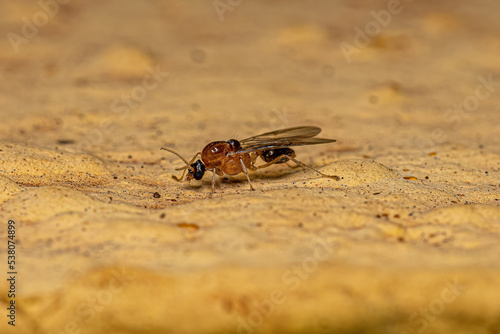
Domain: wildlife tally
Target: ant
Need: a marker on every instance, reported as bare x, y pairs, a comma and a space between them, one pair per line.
233, 157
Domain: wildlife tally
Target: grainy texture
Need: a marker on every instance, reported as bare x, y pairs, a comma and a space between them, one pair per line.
107, 242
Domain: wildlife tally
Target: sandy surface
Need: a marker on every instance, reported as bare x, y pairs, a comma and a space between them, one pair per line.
408, 241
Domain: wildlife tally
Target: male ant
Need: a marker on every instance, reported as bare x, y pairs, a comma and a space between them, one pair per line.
233, 157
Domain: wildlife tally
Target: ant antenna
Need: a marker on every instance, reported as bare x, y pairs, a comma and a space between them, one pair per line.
181, 168
177, 154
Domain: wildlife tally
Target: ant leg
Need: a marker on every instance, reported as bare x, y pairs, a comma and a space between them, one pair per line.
254, 157
253, 167
292, 167
335, 177
246, 174
213, 182
298, 163
179, 179
194, 158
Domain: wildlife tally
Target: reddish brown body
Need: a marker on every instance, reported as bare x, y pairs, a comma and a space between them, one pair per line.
229, 157
216, 155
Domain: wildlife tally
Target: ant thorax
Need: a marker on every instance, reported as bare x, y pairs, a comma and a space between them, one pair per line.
217, 155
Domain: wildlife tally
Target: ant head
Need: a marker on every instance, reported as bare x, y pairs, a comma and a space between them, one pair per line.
196, 171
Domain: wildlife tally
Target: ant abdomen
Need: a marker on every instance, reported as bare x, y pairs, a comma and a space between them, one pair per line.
275, 153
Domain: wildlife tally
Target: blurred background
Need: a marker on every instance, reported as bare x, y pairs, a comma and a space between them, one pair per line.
384, 72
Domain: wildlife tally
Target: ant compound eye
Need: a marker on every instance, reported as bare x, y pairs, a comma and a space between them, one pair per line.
198, 170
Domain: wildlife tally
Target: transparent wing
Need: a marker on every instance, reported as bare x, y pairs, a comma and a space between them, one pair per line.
298, 136
299, 131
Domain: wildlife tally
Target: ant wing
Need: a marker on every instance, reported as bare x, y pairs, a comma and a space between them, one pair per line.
290, 133
263, 144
